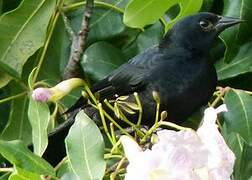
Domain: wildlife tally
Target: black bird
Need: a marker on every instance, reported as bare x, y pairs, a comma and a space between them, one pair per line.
178, 69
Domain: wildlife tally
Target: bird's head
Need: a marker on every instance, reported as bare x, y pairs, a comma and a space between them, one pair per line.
198, 31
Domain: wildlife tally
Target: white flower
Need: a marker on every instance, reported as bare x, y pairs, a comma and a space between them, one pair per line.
57, 92
220, 157
186, 154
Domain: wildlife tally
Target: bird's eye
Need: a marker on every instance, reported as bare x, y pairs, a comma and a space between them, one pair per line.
205, 25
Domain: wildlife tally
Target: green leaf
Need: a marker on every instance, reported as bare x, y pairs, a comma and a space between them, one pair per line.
20, 156
30, 78
1, 6
63, 169
140, 13
100, 59
39, 116
57, 55
69, 176
238, 54
18, 126
4, 79
239, 116
10, 5
5, 176
187, 7
23, 32
104, 24
149, 37
236, 36
85, 148
243, 154
241, 64
20, 174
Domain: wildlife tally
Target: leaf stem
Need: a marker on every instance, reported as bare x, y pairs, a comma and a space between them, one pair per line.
60, 163
116, 124
42, 57
101, 111
173, 125
124, 118
12, 97
220, 96
140, 115
120, 164
6, 169
112, 156
96, 3
112, 130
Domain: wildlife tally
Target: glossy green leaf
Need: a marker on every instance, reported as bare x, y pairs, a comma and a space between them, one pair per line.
10, 5
239, 35
241, 64
243, 154
100, 59
139, 14
1, 6
238, 54
85, 148
4, 79
20, 156
30, 79
56, 56
18, 126
149, 37
187, 7
63, 169
105, 23
39, 116
69, 176
20, 174
5, 176
239, 116
23, 31
207, 5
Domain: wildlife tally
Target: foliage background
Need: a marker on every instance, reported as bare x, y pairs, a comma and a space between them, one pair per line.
33, 34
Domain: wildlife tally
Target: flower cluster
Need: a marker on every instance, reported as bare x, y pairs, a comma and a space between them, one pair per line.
185, 154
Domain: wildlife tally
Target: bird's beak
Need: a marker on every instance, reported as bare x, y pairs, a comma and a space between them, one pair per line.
225, 22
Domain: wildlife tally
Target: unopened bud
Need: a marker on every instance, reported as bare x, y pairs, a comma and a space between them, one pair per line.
156, 96
163, 115
41, 94
57, 92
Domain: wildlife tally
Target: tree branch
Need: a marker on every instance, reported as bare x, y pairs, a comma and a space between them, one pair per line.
78, 44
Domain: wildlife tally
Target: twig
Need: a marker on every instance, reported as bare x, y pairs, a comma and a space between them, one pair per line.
73, 68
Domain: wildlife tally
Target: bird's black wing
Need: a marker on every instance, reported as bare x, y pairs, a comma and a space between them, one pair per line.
129, 77
125, 80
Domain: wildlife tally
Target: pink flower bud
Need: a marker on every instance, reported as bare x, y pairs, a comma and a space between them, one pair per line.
41, 94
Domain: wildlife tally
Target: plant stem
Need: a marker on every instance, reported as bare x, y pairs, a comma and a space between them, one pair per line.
73, 68
101, 111
6, 170
42, 57
12, 97
173, 125
96, 3
140, 109
60, 163
120, 164
124, 118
